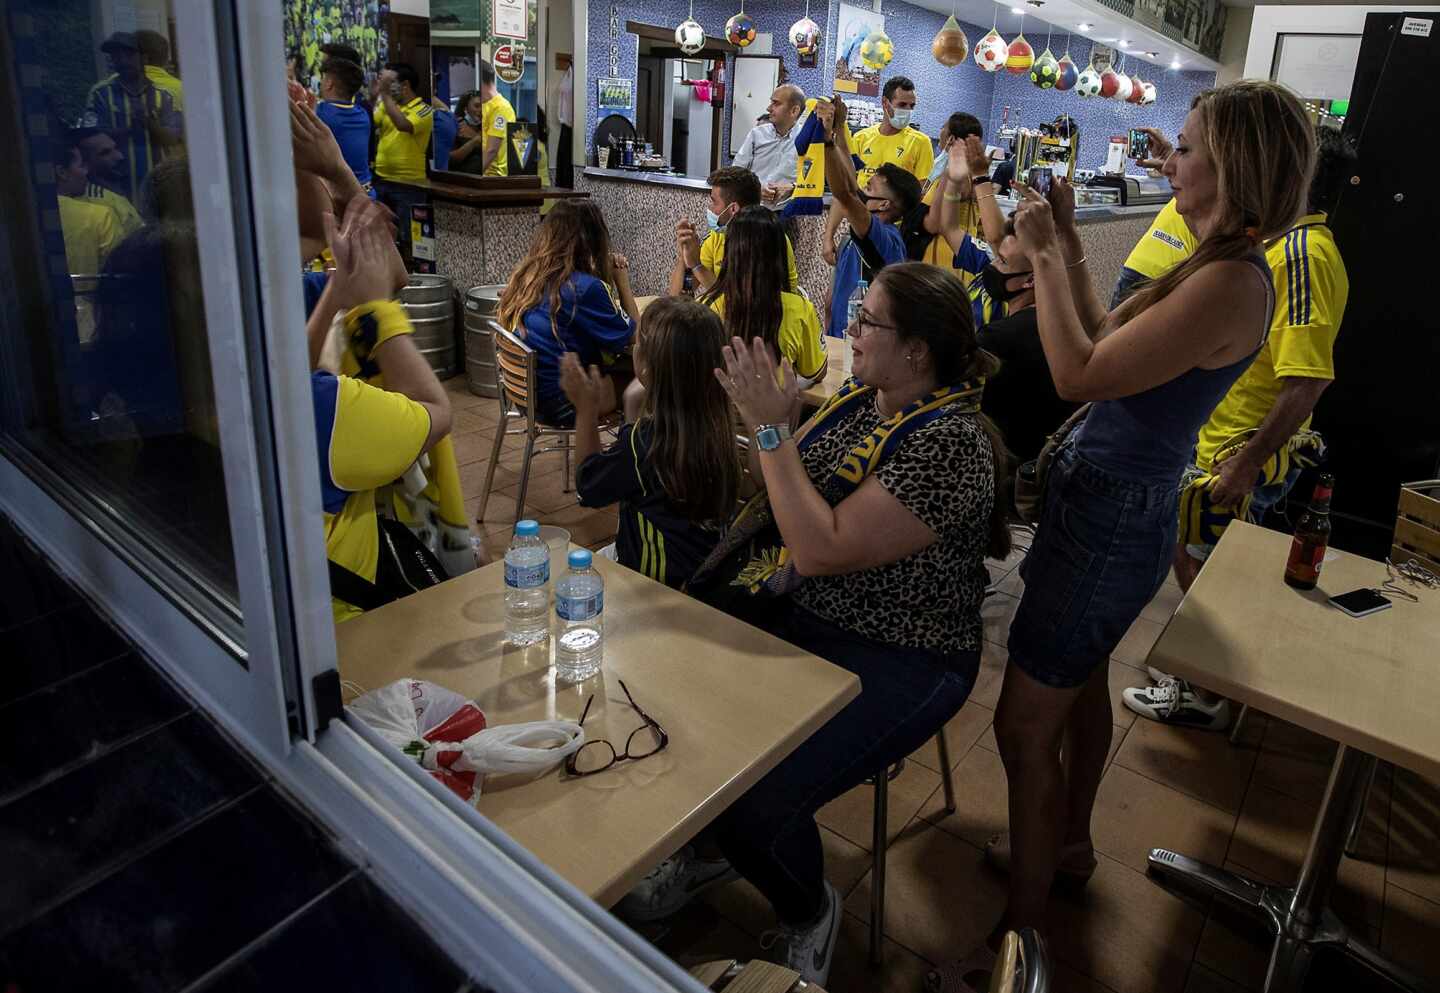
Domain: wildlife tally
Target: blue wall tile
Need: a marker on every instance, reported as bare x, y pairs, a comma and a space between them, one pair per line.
1098, 119
940, 90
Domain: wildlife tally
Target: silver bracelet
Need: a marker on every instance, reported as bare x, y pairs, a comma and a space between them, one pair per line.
1072, 265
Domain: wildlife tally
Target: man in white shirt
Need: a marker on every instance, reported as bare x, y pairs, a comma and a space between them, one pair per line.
769, 148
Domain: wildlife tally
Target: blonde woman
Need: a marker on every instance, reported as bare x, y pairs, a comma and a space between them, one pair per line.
1155, 368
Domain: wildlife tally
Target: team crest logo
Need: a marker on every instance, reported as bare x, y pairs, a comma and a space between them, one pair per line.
806, 166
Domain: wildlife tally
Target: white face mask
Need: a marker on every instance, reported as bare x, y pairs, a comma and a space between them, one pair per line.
900, 119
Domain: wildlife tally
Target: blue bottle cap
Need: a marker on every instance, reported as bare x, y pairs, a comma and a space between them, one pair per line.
580, 559
527, 528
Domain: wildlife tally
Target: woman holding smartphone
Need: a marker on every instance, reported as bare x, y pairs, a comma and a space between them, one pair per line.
1154, 369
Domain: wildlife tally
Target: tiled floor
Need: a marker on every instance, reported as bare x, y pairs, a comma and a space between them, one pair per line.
1248, 806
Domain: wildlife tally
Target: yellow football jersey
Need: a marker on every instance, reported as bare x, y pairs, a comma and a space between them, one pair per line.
909, 149
1311, 289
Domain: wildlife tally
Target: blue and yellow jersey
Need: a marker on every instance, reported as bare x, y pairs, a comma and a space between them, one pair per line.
400, 155
809, 195
126, 115
351, 127
909, 149
496, 115
164, 81
712, 256
366, 437
1311, 289
1168, 243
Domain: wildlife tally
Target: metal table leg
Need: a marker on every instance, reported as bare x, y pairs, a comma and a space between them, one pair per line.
1299, 917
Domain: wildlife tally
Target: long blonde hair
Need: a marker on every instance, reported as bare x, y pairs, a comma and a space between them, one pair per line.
692, 435
1263, 147
573, 239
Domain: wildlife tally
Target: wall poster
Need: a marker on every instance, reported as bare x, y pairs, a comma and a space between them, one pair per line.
852, 75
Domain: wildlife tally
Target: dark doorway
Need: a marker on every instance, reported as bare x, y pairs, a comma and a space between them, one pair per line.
410, 42
650, 83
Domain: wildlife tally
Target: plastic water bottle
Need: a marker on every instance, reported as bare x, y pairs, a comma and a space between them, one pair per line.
527, 586
579, 609
852, 314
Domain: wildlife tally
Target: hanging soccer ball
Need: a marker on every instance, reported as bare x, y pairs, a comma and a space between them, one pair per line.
1066, 74
1149, 97
1109, 83
690, 36
1087, 84
1123, 87
1046, 71
1137, 90
950, 46
877, 50
1019, 56
805, 36
740, 30
991, 52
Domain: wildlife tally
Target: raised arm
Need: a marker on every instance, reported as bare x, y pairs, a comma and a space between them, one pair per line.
1150, 349
1088, 308
392, 108
992, 218
840, 169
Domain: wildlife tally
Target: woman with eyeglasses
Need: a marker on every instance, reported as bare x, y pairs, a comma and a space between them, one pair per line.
884, 506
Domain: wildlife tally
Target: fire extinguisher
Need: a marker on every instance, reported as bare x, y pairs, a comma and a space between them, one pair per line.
717, 90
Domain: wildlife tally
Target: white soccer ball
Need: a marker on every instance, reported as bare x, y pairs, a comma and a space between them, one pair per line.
690, 36
1088, 85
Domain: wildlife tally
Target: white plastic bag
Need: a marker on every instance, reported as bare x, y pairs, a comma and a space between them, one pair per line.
447, 734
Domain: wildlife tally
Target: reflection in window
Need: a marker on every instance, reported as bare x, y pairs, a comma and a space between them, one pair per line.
106, 356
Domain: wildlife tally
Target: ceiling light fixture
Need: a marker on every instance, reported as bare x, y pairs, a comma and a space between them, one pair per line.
1086, 27
1124, 44
1016, 10
1036, 3
1174, 63
1152, 55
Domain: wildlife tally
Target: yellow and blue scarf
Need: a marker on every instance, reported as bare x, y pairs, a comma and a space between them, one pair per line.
751, 558
1202, 521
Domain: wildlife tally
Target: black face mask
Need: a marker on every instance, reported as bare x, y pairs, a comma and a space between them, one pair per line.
996, 283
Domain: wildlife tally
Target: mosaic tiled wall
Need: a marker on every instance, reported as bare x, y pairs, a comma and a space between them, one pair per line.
475, 247
941, 90
1098, 119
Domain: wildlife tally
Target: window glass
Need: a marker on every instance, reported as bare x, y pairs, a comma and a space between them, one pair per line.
106, 367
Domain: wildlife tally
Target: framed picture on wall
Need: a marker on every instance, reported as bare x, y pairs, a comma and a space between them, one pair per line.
615, 93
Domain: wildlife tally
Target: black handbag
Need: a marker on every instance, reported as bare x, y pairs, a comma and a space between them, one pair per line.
405, 566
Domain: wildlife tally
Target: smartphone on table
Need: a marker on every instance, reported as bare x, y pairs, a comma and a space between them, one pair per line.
1139, 144
1359, 603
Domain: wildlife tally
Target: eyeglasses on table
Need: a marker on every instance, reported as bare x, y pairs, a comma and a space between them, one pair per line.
599, 755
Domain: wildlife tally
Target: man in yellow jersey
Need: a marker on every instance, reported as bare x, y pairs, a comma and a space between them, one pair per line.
496, 115
891, 141
731, 190
403, 121
91, 230
1251, 450
105, 169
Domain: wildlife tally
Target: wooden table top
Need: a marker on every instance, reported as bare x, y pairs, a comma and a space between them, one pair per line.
1367, 682
834, 373
734, 701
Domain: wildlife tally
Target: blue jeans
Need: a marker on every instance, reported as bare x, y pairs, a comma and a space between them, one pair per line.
769, 834
1102, 549
400, 199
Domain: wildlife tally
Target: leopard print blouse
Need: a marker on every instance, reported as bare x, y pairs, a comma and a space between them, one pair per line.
943, 474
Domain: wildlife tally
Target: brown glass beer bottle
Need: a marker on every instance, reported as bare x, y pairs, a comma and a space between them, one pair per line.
1312, 537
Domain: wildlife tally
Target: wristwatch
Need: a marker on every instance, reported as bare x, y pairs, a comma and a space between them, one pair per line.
771, 436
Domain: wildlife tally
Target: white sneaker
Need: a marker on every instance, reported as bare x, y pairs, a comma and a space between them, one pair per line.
671, 885
1172, 701
809, 951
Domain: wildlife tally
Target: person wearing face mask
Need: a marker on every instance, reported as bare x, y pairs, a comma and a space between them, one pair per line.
769, 148
891, 142
875, 241
1020, 399
732, 189
404, 122
468, 154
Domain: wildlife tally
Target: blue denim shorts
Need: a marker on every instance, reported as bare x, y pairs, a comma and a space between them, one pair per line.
1102, 549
